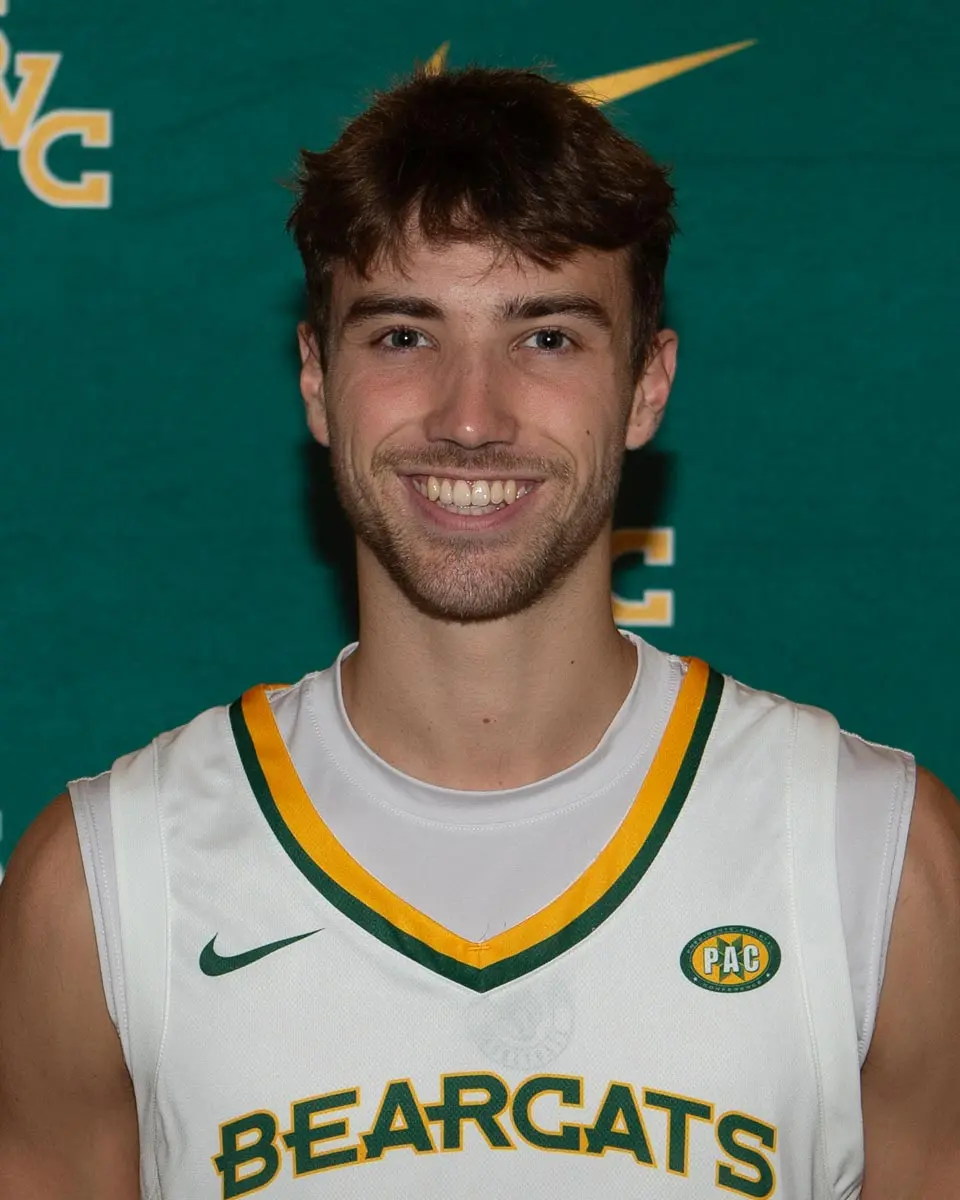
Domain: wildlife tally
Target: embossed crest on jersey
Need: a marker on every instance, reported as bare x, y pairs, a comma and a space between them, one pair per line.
731, 958
525, 1030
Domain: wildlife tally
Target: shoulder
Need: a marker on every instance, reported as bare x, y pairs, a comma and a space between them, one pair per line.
212, 724
936, 804
203, 740
47, 937
929, 895
61, 1063
926, 924
911, 1103
760, 716
44, 883
876, 785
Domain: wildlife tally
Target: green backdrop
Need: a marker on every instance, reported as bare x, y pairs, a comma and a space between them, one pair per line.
166, 534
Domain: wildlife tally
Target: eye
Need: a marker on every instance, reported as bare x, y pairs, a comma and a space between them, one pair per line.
549, 339
402, 338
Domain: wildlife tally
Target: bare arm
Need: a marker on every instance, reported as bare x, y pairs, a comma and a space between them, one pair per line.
68, 1122
911, 1096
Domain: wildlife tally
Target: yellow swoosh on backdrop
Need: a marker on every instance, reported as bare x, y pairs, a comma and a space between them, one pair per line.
605, 88
615, 86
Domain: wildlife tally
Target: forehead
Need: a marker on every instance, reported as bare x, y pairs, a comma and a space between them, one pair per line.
476, 275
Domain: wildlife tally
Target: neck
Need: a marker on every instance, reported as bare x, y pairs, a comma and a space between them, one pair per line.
487, 705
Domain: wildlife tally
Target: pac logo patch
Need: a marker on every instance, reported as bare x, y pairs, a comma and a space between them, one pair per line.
731, 958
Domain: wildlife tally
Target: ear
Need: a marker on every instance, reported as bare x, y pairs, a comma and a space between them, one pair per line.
312, 384
652, 390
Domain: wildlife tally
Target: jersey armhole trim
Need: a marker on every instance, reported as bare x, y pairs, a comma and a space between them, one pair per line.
143, 896
820, 946
84, 795
895, 846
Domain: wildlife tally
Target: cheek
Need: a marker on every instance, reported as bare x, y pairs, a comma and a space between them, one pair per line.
394, 379
370, 406
588, 422
602, 433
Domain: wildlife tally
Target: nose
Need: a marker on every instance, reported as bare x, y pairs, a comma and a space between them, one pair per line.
471, 406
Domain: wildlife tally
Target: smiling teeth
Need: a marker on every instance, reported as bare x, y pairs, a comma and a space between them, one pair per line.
471, 494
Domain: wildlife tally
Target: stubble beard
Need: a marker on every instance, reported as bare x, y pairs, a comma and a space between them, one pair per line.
453, 577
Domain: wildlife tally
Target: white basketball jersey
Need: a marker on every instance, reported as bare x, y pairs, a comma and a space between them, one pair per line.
677, 1023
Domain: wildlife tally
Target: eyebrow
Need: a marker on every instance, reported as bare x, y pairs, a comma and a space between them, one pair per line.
384, 304
521, 308
551, 304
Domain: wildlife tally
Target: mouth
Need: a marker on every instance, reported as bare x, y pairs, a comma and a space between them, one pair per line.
470, 499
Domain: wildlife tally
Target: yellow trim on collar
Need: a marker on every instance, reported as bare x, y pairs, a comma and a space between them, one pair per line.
308, 828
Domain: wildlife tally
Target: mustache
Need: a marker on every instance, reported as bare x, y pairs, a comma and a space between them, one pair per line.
486, 462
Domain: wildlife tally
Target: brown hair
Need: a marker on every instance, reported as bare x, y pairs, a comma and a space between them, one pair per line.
480, 154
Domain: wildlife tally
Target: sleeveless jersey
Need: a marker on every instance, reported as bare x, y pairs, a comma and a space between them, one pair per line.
294, 1028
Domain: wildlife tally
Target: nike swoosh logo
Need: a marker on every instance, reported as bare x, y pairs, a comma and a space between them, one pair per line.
616, 86
620, 84
212, 963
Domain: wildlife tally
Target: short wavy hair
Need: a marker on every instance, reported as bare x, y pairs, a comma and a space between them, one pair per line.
505, 156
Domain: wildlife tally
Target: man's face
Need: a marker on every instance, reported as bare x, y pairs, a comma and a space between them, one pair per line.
477, 410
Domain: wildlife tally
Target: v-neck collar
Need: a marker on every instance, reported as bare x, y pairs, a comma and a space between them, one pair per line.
568, 919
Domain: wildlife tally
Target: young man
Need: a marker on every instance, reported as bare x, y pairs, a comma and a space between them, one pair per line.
505, 903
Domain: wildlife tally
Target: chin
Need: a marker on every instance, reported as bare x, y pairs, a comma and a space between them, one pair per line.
478, 592
450, 579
